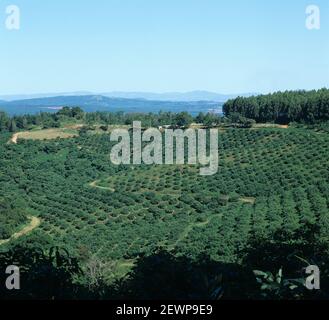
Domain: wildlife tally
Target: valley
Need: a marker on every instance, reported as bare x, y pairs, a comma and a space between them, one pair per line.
115, 229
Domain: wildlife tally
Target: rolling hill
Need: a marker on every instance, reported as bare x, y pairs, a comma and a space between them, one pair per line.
92, 103
197, 95
177, 96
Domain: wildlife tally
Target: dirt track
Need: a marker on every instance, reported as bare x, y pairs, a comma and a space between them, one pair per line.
34, 223
94, 185
14, 138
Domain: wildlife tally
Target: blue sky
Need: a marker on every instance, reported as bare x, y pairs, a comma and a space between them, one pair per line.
227, 46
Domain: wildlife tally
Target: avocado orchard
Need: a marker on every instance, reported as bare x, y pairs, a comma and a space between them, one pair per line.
121, 212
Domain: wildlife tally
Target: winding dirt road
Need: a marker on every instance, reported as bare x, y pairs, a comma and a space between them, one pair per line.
14, 138
34, 223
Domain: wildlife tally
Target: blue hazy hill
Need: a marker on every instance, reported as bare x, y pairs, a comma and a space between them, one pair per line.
91, 103
197, 95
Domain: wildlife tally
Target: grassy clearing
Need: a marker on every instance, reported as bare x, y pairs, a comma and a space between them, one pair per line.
46, 134
269, 125
249, 200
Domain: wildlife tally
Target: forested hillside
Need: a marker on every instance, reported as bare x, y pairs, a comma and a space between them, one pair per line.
283, 107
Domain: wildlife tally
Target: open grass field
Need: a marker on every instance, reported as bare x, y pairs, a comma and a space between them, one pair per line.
45, 134
270, 125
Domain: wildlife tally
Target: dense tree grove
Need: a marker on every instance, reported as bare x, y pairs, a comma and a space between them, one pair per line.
68, 115
283, 107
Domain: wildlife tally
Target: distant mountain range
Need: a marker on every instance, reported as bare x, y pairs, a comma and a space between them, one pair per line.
170, 96
90, 103
177, 96
192, 102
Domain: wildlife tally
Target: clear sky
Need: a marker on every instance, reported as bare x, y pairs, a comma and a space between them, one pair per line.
227, 46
